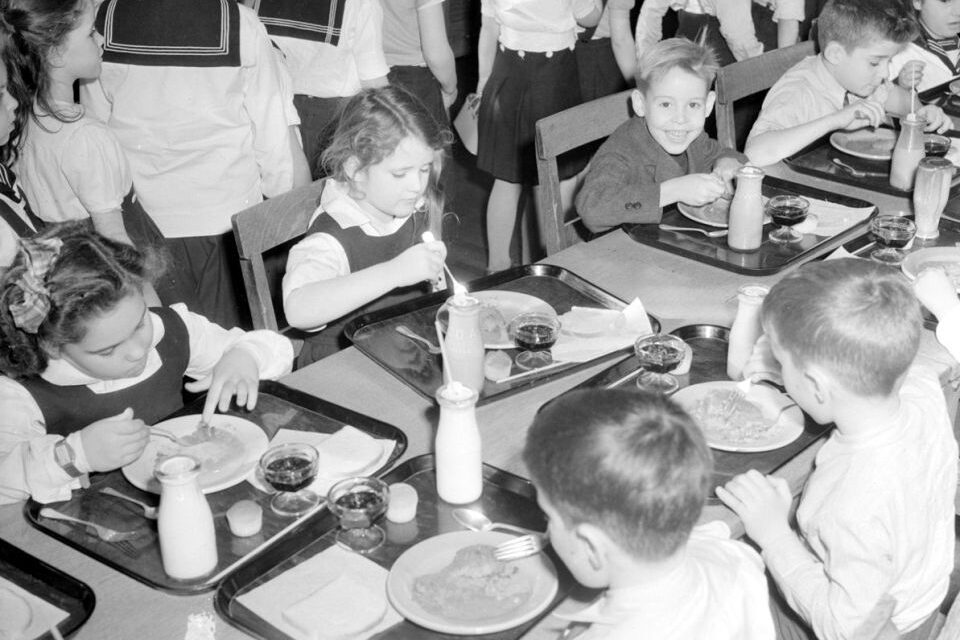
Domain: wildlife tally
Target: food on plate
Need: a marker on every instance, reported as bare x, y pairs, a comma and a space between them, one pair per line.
586, 322
222, 451
403, 503
493, 327
951, 267
348, 451
340, 608
730, 417
474, 586
15, 614
869, 142
497, 365
245, 518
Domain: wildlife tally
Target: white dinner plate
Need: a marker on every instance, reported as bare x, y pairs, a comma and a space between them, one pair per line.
785, 430
870, 144
510, 304
947, 258
715, 214
224, 463
433, 554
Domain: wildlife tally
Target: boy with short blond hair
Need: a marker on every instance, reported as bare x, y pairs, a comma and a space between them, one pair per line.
662, 156
876, 517
844, 86
623, 476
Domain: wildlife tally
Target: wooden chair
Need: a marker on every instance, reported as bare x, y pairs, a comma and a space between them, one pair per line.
562, 132
748, 77
264, 234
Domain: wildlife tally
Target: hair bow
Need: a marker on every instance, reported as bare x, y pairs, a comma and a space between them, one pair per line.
38, 256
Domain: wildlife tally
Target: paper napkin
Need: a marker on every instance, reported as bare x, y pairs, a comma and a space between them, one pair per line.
835, 218
636, 323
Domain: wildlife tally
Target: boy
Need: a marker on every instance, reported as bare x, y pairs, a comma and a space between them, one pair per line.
622, 476
876, 516
662, 156
844, 86
937, 46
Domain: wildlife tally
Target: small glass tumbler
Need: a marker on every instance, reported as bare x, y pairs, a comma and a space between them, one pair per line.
787, 211
658, 355
357, 503
289, 468
891, 233
534, 333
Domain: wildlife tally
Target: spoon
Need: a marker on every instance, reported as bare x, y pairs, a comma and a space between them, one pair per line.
857, 173
719, 233
476, 521
458, 289
404, 330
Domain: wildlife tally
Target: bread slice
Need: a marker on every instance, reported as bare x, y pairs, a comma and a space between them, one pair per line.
341, 608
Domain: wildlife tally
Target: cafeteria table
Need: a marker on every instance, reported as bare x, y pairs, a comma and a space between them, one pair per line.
676, 290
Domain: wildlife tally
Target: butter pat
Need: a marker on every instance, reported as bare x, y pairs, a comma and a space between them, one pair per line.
403, 503
245, 518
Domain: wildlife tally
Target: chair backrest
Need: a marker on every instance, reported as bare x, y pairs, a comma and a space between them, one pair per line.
561, 132
264, 233
748, 77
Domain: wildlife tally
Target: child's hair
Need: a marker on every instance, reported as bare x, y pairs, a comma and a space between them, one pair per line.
60, 279
858, 320
632, 463
39, 27
17, 88
675, 53
372, 124
858, 23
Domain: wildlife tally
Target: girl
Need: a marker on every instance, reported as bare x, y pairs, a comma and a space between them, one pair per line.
88, 364
363, 241
71, 164
937, 46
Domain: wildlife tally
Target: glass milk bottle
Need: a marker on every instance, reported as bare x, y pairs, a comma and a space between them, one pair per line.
930, 194
188, 543
907, 152
746, 328
458, 449
746, 211
464, 343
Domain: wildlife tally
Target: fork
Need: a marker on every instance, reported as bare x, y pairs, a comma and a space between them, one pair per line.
718, 233
104, 533
148, 510
520, 547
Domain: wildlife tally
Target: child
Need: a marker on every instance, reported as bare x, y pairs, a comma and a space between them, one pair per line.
364, 239
844, 86
662, 156
876, 516
88, 364
937, 45
622, 477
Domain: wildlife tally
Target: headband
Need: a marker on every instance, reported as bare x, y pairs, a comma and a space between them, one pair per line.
38, 257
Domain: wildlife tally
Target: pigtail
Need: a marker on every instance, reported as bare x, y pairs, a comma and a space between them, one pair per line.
20, 352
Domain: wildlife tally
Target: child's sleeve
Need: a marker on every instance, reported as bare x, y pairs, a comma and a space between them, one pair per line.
649, 29
368, 48
948, 331
96, 169
787, 104
316, 258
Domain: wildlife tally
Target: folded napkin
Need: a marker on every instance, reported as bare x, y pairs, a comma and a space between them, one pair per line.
43, 615
831, 218
348, 452
334, 594
622, 330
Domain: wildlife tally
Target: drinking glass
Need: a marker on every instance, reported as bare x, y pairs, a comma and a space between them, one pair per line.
931, 190
659, 354
935, 145
786, 211
891, 233
357, 503
289, 468
534, 333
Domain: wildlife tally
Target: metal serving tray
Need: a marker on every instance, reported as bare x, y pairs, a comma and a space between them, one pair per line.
709, 345
941, 96
506, 498
769, 258
278, 407
375, 333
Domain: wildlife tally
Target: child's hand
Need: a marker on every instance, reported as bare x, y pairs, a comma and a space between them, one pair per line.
762, 502
701, 188
911, 74
114, 442
423, 261
936, 119
236, 374
727, 168
859, 114
935, 291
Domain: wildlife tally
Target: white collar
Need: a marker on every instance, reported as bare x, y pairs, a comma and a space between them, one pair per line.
337, 202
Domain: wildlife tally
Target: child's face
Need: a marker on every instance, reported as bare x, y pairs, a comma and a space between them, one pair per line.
798, 382
570, 547
865, 68
940, 17
675, 107
8, 108
116, 343
392, 187
80, 53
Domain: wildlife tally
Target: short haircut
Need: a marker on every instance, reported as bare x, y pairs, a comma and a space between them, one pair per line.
858, 23
857, 319
675, 53
632, 463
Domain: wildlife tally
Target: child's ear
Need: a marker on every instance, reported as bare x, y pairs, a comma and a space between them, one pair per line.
820, 382
834, 53
636, 99
351, 168
708, 105
594, 545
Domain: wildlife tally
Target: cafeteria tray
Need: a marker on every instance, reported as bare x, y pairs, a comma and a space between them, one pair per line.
47, 583
941, 96
709, 345
278, 406
770, 258
375, 333
817, 160
506, 498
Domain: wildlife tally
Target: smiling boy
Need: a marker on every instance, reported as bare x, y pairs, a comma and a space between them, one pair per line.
662, 156
844, 86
